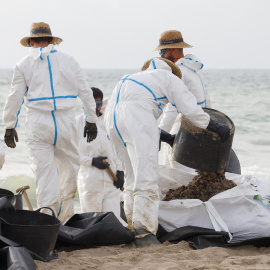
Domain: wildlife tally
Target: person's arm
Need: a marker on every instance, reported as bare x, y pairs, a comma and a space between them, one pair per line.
208, 102
86, 95
14, 99
85, 160
168, 118
12, 107
207, 97
185, 102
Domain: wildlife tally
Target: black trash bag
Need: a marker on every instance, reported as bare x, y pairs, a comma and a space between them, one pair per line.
6, 205
199, 237
257, 242
208, 240
94, 229
14, 257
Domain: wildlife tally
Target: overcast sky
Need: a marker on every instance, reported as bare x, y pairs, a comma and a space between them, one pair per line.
124, 33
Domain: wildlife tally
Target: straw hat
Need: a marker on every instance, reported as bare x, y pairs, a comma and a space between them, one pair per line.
175, 69
40, 29
171, 39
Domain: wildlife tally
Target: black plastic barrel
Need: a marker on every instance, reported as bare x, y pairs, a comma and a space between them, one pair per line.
202, 149
34, 230
16, 200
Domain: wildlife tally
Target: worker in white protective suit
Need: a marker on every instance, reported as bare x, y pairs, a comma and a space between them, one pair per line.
50, 82
171, 45
98, 192
131, 120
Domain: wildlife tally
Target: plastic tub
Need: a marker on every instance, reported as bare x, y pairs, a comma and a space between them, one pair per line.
34, 230
16, 200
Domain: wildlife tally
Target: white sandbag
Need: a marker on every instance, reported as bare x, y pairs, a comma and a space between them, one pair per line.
179, 213
244, 210
172, 178
245, 216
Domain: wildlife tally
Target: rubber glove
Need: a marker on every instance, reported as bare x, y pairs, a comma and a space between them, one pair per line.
166, 137
90, 129
9, 137
98, 163
222, 130
121, 180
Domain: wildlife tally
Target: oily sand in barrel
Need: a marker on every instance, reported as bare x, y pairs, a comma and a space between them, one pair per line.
203, 186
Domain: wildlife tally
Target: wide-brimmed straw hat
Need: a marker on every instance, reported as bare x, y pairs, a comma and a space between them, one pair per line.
40, 29
175, 69
171, 39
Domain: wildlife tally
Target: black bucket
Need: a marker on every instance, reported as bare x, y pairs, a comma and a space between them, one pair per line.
202, 149
16, 200
34, 230
234, 164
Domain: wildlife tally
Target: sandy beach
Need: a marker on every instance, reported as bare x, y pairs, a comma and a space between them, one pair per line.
165, 256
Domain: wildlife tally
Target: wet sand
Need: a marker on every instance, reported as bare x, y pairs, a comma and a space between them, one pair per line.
165, 256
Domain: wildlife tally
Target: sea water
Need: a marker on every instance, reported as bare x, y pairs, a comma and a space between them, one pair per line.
243, 95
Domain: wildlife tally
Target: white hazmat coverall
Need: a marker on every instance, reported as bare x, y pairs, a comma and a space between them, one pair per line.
192, 76
131, 121
51, 81
96, 190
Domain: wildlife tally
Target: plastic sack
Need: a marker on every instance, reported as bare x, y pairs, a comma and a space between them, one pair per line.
94, 229
14, 257
242, 211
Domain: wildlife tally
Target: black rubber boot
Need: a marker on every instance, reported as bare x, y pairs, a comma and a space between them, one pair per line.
148, 240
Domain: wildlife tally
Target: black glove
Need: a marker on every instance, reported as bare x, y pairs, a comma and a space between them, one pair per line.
90, 129
167, 137
9, 137
98, 163
222, 130
120, 179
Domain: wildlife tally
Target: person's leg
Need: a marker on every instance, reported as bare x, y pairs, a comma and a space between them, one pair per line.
67, 158
140, 132
90, 188
45, 170
122, 155
39, 138
91, 202
144, 159
142, 147
111, 202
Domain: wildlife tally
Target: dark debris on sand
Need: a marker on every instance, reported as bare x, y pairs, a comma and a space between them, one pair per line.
203, 186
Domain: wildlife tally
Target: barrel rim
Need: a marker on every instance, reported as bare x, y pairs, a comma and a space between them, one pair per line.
58, 222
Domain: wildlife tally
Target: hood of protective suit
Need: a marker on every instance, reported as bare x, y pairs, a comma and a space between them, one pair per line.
190, 61
40, 52
159, 64
162, 63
